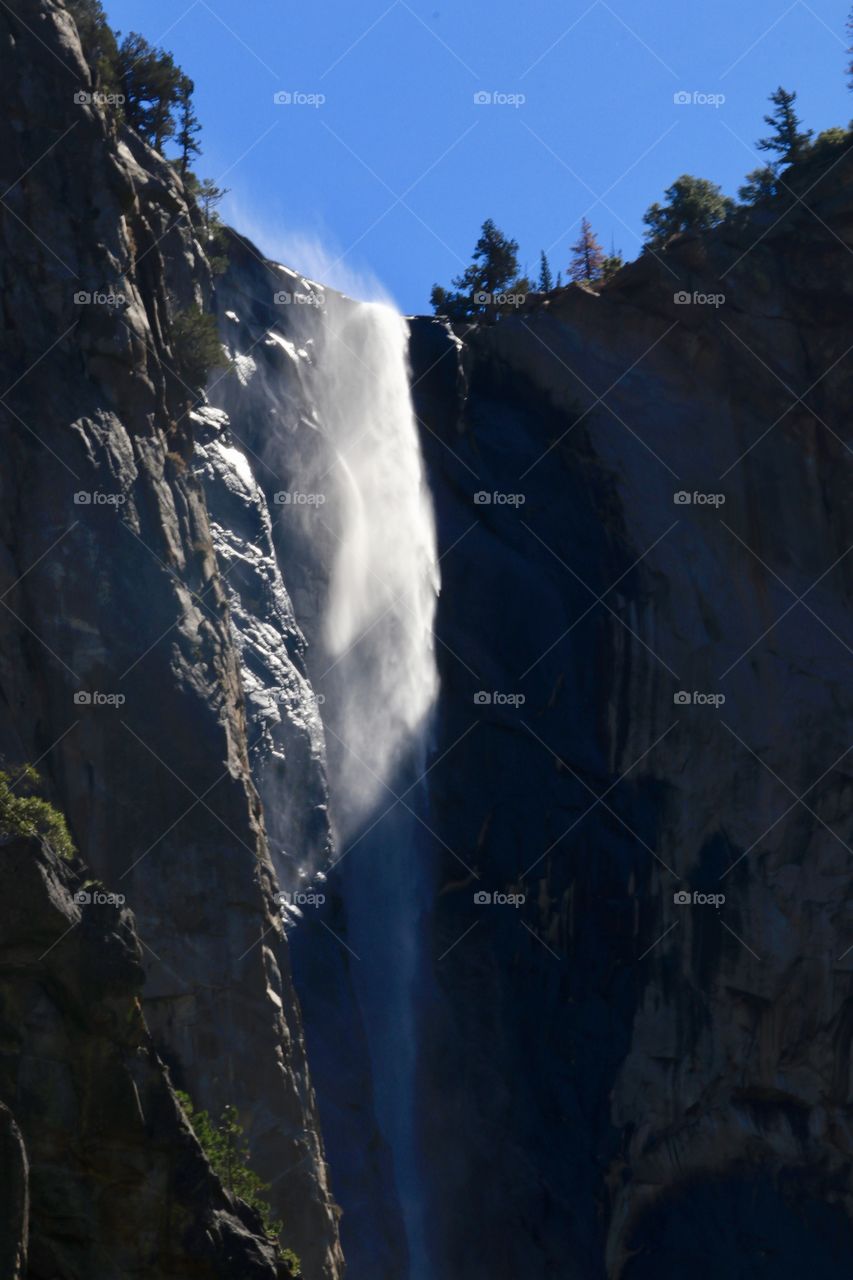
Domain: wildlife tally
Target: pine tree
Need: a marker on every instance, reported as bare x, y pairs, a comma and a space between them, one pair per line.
189, 126
546, 280
495, 264
150, 83
693, 204
209, 196
587, 256
788, 140
494, 267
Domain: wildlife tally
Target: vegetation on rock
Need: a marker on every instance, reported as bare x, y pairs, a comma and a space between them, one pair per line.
30, 815
227, 1151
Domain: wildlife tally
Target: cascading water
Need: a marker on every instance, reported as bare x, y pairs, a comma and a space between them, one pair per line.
377, 629
373, 662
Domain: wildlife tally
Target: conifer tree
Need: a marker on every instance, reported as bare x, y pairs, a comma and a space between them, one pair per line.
189, 126
587, 256
693, 204
150, 82
546, 280
788, 139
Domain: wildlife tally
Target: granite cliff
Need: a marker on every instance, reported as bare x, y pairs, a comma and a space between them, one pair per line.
629, 1030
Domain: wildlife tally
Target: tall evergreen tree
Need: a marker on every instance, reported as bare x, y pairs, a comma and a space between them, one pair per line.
495, 263
587, 256
494, 269
788, 139
546, 280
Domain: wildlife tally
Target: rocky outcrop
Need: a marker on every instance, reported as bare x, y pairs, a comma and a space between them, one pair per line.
640, 498
102, 1173
119, 670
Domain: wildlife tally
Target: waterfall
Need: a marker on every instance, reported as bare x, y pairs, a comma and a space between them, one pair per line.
377, 630
373, 663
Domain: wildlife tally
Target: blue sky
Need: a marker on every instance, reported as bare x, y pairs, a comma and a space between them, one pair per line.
389, 178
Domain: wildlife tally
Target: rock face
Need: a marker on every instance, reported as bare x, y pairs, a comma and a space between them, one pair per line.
119, 666
102, 1175
618, 1083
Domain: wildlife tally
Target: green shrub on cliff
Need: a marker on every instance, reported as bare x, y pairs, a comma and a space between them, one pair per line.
196, 346
228, 1154
29, 815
